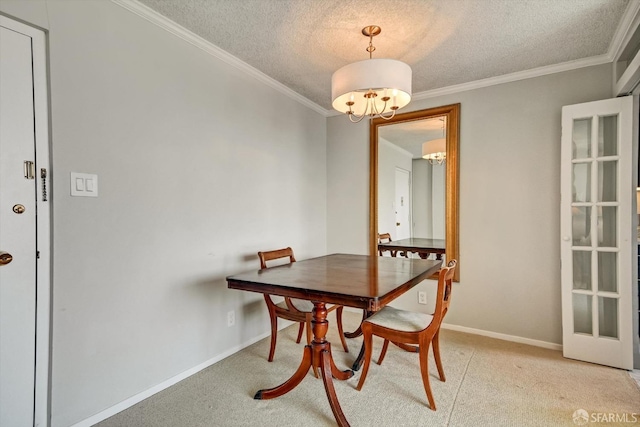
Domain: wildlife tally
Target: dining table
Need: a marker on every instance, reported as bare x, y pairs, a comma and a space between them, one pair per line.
419, 245
360, 281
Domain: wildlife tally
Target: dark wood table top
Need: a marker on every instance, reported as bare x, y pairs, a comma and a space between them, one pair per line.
415, 243
352, 280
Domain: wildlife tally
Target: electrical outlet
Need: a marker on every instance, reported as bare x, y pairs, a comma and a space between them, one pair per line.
231, 318
422, 297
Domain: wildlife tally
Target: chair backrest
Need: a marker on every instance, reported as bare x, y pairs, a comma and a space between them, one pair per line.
383, 238
275, 254
443, 298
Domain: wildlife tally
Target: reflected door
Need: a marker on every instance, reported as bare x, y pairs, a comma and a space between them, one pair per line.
403, 204
598, 237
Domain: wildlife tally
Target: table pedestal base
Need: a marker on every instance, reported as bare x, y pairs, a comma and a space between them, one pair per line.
316, 355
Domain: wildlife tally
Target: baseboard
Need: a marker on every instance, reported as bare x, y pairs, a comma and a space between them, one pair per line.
504, 337
101, 416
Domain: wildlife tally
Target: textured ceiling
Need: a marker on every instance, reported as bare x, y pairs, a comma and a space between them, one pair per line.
300, 43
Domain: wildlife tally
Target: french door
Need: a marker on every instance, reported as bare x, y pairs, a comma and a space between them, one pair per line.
598, 187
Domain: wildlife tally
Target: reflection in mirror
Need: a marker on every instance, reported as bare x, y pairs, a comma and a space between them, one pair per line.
414, 182
411, 189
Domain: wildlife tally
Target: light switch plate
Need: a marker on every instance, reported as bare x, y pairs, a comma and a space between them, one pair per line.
84, 184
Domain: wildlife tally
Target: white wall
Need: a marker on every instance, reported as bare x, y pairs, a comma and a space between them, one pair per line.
199, 165
428, 204
421, 199
509, 199
348, 179
438, 200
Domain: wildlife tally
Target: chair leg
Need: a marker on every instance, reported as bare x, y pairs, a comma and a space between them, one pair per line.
274, 334
424, 371
368, 345
436, 355
385, 346
340, 329
300, 333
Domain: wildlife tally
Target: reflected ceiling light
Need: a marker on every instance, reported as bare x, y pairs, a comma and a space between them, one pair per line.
435, 150
373, 87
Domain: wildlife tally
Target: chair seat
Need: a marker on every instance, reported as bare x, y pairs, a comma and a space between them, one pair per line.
400, 320
403, 327
300, 304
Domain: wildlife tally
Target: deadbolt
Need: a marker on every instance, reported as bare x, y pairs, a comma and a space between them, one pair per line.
18, 209
5, 258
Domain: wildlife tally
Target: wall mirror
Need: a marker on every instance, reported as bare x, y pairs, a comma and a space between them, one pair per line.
410, 196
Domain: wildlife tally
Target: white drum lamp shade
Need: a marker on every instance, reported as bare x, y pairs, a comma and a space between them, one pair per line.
386, 77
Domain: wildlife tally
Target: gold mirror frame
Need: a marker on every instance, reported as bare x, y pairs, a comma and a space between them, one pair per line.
452, 112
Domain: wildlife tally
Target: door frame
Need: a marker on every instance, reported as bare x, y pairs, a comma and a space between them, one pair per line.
43, 217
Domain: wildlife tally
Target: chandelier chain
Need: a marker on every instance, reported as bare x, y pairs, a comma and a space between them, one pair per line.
371, 47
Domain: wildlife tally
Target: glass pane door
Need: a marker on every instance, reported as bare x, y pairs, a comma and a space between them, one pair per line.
596, 231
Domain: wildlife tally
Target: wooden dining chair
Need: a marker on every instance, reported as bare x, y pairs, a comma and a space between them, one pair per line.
405, 327
385, 238
293, 309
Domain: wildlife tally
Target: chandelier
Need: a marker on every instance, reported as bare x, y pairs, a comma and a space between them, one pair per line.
435, 150
373, 87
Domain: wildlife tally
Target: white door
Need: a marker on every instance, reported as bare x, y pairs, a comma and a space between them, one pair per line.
23, 127
403, 204
598, 237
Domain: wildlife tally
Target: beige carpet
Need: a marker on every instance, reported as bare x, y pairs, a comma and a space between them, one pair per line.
489, 383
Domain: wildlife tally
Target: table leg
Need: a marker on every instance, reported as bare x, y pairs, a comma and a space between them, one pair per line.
292, 382
316, 355
327, 368
337, 373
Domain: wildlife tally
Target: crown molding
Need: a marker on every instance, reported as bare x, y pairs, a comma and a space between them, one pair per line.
512, 77
625, 29
617, 44
190, 37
